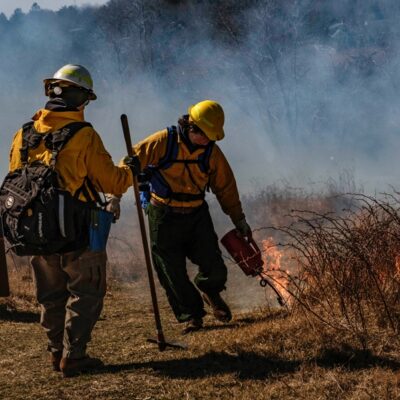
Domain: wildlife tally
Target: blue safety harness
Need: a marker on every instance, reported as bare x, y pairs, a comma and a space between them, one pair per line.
159, 185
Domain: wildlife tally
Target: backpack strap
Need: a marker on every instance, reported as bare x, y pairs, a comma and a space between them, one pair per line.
170, 157
55, 141
89, 192
204, 158
27, 131
172, 149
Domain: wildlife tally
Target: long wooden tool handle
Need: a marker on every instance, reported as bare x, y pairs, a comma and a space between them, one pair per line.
4, 284
160, 335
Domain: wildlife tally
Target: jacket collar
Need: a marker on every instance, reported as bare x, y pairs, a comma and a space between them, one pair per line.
46, 120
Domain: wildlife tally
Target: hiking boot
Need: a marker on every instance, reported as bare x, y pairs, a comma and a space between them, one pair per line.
55, 359
193, 325
220, 309
75, 366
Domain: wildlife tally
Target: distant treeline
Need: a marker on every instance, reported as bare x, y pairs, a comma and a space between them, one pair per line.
285, 57
165, 37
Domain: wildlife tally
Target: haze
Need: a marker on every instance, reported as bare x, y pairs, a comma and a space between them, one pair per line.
8, 6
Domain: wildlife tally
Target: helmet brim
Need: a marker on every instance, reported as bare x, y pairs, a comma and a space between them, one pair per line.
92, 95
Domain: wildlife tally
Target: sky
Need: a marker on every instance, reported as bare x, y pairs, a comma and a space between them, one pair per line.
8, 6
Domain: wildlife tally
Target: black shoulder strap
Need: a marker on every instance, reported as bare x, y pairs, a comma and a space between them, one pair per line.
26, 132
89, 193
55, 141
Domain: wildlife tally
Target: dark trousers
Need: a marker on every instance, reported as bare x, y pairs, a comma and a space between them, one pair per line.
70, 289
175, 237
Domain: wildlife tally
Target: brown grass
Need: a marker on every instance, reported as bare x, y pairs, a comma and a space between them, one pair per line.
263, 354
312, 351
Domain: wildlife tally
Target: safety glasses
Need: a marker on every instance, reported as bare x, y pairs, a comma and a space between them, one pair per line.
196, 130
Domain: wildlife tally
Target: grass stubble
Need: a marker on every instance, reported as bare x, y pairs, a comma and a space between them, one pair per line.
265, 352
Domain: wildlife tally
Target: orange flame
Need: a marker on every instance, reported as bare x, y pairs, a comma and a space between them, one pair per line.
273, 271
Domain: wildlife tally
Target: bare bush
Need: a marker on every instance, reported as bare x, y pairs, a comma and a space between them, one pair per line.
348, 266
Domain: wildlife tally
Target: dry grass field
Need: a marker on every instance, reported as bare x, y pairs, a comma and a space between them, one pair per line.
338, 340
263, 354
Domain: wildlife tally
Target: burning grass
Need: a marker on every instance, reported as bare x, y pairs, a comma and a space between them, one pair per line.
348, 269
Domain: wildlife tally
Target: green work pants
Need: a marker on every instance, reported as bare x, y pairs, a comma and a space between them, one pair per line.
70, 289
175, 237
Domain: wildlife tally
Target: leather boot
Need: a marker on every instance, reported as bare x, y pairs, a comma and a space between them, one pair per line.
55, 359
220, 309
75, 366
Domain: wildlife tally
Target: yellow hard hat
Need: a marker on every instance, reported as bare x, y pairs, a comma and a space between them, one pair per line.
208, 115
73, 74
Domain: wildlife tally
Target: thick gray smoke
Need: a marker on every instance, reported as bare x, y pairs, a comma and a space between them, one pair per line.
306, 91
309, 88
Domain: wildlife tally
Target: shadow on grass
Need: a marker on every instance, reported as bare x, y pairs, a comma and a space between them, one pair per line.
354, 359
11, 315
277, 315
218, 327
244, 365
247, 320
250, 365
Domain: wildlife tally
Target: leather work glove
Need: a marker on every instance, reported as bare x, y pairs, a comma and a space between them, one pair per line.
133, 163
113, 205
243, 227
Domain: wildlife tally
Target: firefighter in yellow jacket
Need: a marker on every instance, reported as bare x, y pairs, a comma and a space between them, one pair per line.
71, 284
181, 163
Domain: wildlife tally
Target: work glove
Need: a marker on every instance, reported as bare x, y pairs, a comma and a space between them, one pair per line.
133, 163
243, 228
113, 205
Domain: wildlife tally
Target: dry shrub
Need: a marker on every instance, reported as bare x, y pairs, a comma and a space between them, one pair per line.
125, 259
270, 206
348, 267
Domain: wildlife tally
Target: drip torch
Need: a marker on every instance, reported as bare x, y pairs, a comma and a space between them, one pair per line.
247, 255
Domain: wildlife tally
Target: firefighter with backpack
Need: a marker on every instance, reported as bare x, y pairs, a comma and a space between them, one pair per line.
179, 164
49, 208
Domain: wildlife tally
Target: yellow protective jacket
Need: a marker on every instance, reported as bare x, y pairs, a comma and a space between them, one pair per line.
220, 177
82, 156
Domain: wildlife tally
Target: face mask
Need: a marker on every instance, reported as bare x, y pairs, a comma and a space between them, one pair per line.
72, 96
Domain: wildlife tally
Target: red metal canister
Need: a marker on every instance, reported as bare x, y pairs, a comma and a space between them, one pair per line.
246, 253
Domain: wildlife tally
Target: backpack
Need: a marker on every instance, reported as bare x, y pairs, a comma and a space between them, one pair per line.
157, 182
37, 216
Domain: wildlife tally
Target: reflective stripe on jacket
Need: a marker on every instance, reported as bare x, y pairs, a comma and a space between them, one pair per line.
220, 176
83, 156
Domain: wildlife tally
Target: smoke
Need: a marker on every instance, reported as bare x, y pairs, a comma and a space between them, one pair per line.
304, 98
309, 89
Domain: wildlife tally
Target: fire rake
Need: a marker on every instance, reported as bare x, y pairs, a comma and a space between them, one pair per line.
161, 342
